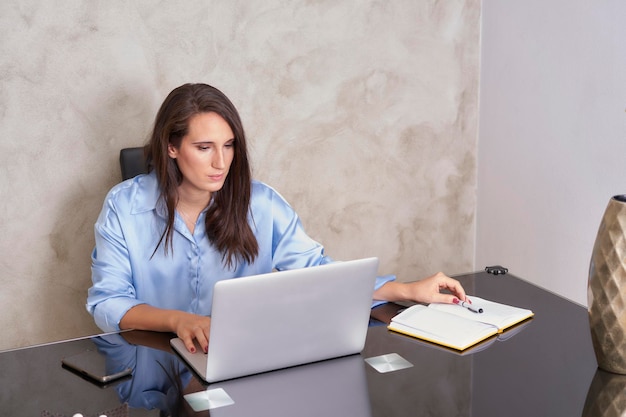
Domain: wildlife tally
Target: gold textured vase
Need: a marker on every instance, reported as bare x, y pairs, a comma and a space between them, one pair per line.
606, 291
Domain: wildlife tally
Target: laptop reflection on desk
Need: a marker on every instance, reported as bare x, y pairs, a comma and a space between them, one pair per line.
282, 319
335, 387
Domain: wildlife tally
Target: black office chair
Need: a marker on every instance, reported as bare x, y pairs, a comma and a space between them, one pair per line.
132, 162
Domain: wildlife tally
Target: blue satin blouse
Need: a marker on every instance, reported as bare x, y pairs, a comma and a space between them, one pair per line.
130, 225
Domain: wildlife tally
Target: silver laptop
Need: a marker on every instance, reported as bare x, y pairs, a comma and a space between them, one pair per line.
266, 322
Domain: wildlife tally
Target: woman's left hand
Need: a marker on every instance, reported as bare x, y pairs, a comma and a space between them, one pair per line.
427, 290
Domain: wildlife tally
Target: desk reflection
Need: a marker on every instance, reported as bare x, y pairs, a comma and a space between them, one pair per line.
335, 387
606, 396
161, 380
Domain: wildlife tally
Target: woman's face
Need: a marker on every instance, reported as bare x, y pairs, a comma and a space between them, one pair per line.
205, 154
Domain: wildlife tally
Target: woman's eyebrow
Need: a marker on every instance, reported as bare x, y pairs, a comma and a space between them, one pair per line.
209, 141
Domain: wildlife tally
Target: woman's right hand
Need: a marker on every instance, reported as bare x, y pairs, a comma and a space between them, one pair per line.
187, 326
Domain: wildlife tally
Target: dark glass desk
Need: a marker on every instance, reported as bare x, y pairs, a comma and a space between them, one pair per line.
545, 369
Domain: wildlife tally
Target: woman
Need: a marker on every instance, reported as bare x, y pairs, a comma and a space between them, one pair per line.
163, 239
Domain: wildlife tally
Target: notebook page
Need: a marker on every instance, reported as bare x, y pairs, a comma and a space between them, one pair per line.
497, 314
441, 327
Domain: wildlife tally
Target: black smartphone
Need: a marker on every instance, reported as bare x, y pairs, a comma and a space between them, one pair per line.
92, 365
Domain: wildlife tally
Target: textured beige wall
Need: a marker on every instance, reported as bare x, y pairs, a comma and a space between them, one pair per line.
363, 114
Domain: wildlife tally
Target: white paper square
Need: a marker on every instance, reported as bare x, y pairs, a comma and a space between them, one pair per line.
209, 399
388, 363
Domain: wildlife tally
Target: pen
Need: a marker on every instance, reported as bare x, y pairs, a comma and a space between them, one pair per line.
469, 307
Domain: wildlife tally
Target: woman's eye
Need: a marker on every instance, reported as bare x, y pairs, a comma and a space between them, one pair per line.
204, 146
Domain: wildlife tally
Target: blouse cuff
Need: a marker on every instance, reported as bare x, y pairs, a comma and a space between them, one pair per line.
109, 313
380, 281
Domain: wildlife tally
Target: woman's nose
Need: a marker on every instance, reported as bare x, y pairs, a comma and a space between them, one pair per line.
218, 159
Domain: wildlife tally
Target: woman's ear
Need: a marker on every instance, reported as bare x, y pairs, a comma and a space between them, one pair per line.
172, 152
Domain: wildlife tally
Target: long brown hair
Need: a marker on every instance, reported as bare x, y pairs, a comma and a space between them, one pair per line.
227, 216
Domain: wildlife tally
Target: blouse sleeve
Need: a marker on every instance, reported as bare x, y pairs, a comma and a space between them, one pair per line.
112, 293
292, 248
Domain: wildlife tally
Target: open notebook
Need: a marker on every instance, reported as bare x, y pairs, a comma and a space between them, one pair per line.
457, 327
281, 319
